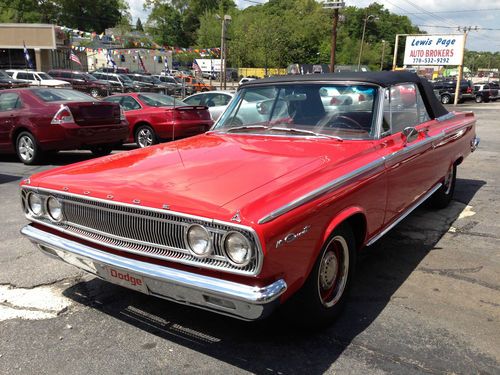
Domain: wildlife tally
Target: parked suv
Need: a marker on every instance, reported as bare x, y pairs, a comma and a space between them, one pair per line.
173, 87
484, 92
119, 82
83, 81
7, 82
446, 90
147, 82
37, 78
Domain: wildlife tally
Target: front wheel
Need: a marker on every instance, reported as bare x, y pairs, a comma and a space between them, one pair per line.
27, 148
446, 99
323, 295
479, 99
442, 197
94, 92
145, 136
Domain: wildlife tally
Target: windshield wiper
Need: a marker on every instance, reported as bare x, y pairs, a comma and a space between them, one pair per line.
303, 131
245, 127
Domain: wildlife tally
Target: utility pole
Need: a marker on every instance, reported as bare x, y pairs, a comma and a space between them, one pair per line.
367, 18
383, 53
465, 30
335, 5
223, 48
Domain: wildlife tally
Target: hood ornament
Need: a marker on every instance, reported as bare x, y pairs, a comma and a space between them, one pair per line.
236, 217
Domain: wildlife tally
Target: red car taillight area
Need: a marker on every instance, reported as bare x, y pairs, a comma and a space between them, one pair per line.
63, 116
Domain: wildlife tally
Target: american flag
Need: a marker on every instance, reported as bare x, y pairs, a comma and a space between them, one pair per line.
141, 62
74, 58
27, 57
109, 58
196, 67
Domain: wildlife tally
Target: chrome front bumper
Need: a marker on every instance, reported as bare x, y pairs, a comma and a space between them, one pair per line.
221, 296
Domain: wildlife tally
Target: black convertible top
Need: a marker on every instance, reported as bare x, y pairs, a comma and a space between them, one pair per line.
384, 79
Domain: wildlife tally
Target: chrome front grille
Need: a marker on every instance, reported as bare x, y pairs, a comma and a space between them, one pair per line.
147, 232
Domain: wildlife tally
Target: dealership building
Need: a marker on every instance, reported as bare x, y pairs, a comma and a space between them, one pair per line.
48, 47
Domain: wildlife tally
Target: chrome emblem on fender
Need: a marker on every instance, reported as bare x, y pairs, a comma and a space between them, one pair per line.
236, 217
293, 236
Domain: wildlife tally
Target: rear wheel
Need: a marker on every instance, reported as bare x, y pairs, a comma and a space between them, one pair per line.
27, 148
101, 150
442, 197
324, 293
145, 136
445, 99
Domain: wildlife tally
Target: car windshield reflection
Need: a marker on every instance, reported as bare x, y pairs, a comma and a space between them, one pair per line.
337, 111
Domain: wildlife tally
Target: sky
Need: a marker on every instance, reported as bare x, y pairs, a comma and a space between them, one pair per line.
435, 17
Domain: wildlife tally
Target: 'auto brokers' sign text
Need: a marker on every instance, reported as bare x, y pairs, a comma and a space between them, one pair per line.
434, 50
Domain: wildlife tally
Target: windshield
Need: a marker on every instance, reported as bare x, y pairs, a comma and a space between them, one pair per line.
156, 80
125, 78
4, 75
57, 95
44, 76
159, 100
146, 79
303, 109
88, 77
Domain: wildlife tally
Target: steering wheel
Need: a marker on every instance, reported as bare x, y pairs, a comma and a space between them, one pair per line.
348, 122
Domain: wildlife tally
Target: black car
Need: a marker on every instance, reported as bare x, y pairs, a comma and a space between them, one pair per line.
83, 81
119, 82
147, 82
446, 90
485, 91
7, 82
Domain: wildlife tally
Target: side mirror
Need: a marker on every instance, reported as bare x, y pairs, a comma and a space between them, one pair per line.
410, 134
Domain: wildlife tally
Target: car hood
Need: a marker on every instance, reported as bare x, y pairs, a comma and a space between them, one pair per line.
202, 175
55, 82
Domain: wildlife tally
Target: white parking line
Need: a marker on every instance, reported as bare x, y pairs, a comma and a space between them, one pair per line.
43, 302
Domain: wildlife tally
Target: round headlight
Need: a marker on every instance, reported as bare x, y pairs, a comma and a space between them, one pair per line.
238, 248
54, 209
35, 204
198, 241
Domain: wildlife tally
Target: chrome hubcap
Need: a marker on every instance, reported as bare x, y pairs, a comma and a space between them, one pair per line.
26, 148
448, 180
144, 138
329, 270
333, 271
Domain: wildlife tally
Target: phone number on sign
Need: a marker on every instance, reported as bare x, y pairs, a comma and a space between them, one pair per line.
431, 60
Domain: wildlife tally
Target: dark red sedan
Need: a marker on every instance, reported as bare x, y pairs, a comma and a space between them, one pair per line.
155, 117
37, 120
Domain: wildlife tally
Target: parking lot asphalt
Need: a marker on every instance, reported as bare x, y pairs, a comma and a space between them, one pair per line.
426, 299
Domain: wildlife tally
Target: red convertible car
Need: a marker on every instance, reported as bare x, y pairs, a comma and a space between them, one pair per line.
155, 117
256, 213
37, 120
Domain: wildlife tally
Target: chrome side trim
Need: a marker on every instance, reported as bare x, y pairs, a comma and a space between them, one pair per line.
413, 146
335, 184
238, 300
404, 214
445, 117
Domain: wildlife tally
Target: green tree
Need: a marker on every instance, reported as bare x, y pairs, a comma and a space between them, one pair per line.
138, 25
165, 25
